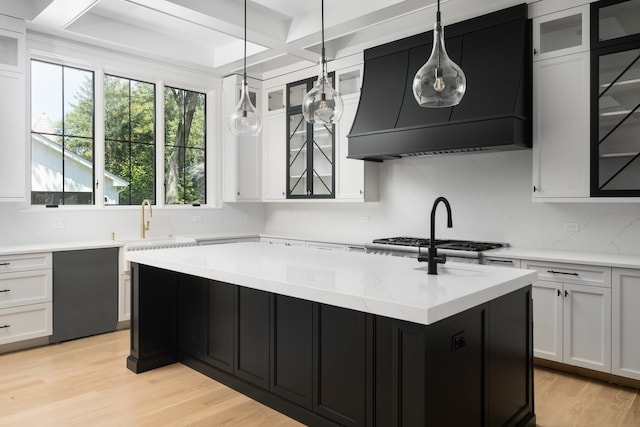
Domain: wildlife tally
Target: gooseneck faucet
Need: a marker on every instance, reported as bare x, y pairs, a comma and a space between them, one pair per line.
145, 227
433, 258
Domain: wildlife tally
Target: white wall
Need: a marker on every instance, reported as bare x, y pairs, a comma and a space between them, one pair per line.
20, 225
490, 196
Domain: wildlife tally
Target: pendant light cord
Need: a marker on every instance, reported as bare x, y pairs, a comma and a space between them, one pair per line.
245, 41
324, 58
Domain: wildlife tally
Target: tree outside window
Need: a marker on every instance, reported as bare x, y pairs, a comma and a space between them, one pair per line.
129, 127
185, 148
62, 135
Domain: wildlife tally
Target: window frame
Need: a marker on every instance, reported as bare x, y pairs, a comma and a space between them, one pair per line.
135, 68
94, 190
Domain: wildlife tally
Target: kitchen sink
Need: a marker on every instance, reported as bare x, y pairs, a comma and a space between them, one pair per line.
156, 243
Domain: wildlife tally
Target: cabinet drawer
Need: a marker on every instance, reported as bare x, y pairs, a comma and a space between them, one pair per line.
505, 262
25, 287
22, 262
23, 323
590, 275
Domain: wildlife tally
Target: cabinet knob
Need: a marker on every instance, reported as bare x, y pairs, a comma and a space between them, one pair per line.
361, 192
535, 188
5, 291
566, 293
5, 326
535, 51
559, 293
283, 193
238, 193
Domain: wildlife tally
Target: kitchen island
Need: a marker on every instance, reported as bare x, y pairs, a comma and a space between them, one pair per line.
341, 338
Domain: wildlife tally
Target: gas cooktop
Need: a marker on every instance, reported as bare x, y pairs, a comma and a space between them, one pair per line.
459, 245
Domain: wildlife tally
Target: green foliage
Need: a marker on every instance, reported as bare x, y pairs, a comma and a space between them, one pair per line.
129, 114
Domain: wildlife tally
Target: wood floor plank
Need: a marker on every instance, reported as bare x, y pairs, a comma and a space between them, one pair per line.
86, 383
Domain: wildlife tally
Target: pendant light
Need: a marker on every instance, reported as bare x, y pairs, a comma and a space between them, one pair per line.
440, 82
322, 104
245, 120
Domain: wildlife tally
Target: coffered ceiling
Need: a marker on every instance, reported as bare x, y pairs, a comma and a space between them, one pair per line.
208, 34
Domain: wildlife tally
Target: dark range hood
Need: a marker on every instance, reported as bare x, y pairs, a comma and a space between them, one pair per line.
495, 113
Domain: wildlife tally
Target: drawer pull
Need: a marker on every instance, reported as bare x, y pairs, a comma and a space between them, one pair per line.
5, 326
504, 261
5, 263
4, 290
562, 272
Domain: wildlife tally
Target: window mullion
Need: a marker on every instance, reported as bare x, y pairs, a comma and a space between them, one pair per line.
99, 142
159, 133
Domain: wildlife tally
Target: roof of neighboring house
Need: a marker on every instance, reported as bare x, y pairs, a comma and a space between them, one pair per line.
69, 155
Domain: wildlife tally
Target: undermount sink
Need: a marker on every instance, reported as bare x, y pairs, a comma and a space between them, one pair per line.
462, 271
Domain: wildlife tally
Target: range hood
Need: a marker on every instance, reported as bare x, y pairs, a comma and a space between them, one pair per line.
495, 113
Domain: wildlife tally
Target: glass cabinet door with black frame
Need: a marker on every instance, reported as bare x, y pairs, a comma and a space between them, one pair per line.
310, 149
615, 98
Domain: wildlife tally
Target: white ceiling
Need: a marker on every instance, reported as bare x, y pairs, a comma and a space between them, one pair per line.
208, 34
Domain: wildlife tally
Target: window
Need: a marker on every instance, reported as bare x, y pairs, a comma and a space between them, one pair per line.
185, 153
62, 135
129, 114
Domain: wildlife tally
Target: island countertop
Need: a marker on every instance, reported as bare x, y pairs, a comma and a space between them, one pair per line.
395, 287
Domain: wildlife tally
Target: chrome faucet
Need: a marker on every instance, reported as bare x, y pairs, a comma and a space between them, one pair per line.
432, 258
145, 227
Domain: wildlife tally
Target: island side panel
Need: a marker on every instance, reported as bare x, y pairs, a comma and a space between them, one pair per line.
510, 360
153, 318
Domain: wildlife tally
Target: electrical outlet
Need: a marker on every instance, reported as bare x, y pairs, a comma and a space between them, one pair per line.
196, 218
571, 226
58, 223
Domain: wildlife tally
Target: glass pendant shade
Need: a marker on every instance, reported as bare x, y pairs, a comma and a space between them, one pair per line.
440, 82
245, 120
322, 104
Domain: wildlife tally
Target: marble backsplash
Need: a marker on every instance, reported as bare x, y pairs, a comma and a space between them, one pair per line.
490, 196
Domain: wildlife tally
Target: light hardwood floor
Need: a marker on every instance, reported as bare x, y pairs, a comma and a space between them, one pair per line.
85, 383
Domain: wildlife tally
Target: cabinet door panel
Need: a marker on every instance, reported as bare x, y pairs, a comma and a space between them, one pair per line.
221, 301
292, 349
626, 318
252, 342
561, 127
587, 327
340, 368
547, 320
192, 312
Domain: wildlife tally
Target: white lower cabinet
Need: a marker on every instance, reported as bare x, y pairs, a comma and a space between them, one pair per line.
626, 322
572, 314
26, 289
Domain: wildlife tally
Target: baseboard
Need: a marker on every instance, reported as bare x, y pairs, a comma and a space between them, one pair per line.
589, 373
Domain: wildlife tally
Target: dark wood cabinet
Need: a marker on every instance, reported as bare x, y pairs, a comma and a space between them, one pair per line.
154, 323
509, 369
221, 332
327, 366
292, 349
193, 312
340, 371
421, 369
252, 336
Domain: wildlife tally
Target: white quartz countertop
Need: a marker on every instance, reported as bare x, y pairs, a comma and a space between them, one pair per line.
389, 286
587, 258
56, 247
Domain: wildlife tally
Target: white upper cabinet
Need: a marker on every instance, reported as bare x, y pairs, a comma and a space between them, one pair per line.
274, 145
561, 33
12, 110
241, 156
355, 180
561, 102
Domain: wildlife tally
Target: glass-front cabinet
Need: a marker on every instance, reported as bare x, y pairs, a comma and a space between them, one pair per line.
615, 98
310, 148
